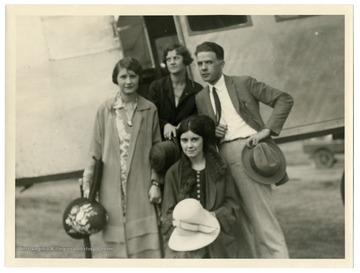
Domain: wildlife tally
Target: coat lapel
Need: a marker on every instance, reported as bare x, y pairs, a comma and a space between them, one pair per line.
230, 86
208, 105
113, 130
188, 90
169, 90
137, 121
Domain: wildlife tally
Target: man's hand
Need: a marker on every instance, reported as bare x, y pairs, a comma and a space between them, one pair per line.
155, 194
255, 139
220, 130
169, 131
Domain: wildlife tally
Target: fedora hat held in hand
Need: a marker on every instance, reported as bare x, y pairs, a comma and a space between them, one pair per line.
265, 162
195, 227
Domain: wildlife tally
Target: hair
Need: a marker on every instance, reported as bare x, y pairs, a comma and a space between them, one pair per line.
128, 63
181, 50
201, 125
211, 47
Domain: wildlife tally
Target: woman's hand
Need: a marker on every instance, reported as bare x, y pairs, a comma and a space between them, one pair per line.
155, 194
169, 131
85, 187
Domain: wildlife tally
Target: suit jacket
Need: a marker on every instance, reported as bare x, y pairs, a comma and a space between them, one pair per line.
246, 93
161, 93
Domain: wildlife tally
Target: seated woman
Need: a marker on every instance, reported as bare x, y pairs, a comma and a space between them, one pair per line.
174, 95
200, 174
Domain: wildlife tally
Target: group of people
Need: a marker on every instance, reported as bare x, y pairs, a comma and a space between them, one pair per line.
213, 125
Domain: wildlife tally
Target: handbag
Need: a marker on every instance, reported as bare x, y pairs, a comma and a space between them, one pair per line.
84, 217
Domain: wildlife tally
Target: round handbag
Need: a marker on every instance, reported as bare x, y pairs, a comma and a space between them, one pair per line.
82, 218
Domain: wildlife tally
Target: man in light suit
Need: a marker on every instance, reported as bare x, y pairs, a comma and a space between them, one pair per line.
233, 103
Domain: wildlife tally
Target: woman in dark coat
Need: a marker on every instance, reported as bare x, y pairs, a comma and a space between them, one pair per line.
201, 174
174, 95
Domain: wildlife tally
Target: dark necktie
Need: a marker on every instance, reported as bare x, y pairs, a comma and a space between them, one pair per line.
217, 105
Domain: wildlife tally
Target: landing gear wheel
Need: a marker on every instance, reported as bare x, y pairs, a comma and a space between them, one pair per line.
324, 159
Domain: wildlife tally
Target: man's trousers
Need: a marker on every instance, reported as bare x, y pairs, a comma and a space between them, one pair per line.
259, 225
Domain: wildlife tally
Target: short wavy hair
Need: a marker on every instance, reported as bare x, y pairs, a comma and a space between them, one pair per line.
181, 50
211, 47
128, 63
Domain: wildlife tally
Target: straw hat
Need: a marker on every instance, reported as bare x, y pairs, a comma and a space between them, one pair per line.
195, 227
265, 163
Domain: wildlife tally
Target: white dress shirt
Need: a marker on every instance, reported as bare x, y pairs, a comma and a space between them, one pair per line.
236, 126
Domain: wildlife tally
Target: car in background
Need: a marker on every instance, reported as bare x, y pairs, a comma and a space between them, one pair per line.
323, 150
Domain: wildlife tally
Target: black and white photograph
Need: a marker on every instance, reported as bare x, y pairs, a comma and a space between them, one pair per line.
179, 136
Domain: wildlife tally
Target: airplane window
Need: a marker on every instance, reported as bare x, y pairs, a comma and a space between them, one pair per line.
280, 18
216, 22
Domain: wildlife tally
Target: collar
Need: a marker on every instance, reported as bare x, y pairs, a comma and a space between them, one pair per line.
118, 102
142, 104
219, 85
189, 84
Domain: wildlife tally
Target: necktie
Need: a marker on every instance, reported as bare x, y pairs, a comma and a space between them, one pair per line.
217, 105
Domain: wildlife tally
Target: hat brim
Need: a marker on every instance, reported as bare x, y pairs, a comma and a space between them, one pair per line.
193, 240
268, 180
164, 154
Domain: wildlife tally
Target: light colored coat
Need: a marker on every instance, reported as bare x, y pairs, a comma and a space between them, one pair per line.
138, 231
246, 93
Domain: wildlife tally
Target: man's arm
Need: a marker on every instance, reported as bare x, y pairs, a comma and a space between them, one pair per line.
281, 103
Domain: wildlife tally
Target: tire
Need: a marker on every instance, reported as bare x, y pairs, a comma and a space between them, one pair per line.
324, 158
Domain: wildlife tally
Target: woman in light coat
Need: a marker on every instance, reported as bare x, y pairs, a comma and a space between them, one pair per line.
125, 129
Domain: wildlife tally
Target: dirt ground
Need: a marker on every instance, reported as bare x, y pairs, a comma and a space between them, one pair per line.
309, 208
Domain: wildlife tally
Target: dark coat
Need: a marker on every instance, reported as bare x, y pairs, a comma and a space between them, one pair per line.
221, 198
161, 93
